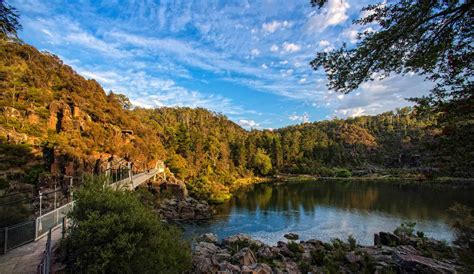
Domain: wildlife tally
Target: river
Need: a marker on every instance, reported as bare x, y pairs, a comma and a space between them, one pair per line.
323, 210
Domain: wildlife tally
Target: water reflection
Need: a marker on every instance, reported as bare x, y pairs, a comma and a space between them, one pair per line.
327, 209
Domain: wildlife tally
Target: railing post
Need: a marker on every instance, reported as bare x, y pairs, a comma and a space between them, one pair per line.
55, 185
129, 166
107, 171
36, 228
41, 201
71, 180
5, 245
64, 227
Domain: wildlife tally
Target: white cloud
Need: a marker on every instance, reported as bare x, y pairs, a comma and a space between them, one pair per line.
274, 48
351, 34
304, 118
248, 123
324, 43
255, 52
264, 66
378, 96
302, 80
275, 25
333, 14
290, 47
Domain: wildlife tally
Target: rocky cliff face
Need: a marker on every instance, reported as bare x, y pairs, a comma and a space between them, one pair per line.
67, 122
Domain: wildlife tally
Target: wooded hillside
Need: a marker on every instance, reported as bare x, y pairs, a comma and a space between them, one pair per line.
54, 120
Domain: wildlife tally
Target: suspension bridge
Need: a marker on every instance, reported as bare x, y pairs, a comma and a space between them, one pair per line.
32, 232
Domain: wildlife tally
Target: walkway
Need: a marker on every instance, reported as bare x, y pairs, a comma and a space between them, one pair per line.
25, 259
137, 180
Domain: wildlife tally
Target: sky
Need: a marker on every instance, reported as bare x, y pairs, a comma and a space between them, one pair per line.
248, 60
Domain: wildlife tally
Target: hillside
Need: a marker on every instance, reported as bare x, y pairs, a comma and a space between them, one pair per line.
54, 120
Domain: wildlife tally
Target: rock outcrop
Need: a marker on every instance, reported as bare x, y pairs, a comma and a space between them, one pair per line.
242, 254
184, 209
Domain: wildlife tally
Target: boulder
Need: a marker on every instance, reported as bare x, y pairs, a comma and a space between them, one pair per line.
227, 267
208, 237
291, 236
257, 269
352, 258
205, 248
265, 252
418, 264
222, 256
290, 267
241, 240
245, 256
386, 238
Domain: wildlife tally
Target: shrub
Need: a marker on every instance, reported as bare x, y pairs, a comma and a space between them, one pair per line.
325, 172
342, 172
405, 229
352, 242
112, 232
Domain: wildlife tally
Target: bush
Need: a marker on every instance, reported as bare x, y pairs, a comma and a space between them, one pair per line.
342, 172
325, 172
112, 232
405, 229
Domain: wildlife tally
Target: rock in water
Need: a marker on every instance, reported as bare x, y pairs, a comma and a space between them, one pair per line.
291, 236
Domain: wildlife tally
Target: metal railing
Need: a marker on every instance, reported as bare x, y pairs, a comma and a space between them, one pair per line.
51, 220
45, 266
32, 230
17, 235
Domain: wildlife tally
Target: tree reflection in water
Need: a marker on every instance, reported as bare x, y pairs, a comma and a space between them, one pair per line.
327, 209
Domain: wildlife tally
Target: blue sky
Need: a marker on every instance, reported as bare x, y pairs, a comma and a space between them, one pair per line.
246, 59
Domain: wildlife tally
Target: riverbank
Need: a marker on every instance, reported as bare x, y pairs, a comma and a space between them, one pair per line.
435, 182
390, 253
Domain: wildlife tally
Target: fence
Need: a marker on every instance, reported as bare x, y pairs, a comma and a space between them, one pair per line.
45, 266
17, 235
51, 220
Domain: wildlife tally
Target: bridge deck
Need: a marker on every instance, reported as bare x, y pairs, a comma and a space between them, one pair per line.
136, 180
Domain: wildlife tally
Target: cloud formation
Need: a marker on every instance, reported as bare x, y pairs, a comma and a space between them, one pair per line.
248, 60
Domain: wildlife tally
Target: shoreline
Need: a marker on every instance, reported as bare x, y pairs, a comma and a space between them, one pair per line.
399, 252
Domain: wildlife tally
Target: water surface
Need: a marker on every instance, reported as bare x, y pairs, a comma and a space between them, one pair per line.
328, 209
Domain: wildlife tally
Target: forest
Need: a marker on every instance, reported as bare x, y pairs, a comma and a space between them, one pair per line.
67, 122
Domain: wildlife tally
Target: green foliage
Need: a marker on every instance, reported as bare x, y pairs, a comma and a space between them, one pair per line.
342, 172
121, 99
14, 210
9, 23
296, 249
405, 229
262, 162
352, 242
439, 46
13, 155
112, 232
33, 173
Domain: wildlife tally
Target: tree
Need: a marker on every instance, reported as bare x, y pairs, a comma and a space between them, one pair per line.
432, 38
9, 24
122, 100
113, 232
262, 162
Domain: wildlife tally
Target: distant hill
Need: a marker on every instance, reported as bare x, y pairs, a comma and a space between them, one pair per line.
54, 120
